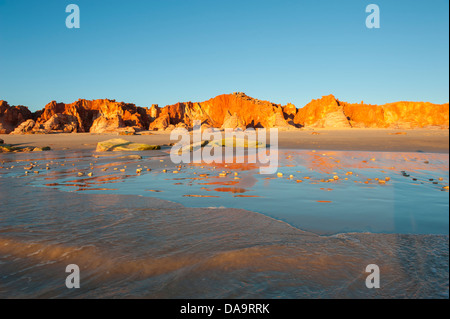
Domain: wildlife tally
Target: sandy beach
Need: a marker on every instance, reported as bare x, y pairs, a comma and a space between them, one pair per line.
380, 140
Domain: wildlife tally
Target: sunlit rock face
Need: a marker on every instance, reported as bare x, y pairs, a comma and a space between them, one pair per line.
328, 112
12, 116
233, 122
403, 115
224, 111
322, 113
62, 123
25, 127
235, 110
99, 116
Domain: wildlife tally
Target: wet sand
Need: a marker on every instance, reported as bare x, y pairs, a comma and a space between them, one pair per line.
431, 141
136, 247
133, 246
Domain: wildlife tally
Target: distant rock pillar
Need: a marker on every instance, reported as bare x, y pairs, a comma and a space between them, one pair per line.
154, 112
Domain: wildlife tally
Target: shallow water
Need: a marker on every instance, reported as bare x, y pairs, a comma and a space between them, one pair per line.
412, 201
135, 235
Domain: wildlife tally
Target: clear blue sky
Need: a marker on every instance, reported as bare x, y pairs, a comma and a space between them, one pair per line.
162, 52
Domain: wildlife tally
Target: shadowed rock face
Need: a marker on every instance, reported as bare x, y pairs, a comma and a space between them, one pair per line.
12, 116
223, 111
97, 116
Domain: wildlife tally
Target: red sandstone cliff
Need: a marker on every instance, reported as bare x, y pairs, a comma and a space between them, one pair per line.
97, 116
12, 116
328, 112
235, 110
244, 110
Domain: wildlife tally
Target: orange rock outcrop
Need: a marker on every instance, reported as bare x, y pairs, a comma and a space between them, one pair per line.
215, 112
12, 116
328, 112
224, 111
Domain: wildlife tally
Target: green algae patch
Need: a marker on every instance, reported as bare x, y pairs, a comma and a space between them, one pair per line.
236, 142
6, 148
42, 149
192, 147
119, 144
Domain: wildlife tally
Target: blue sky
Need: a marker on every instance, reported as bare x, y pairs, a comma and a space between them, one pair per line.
162, 52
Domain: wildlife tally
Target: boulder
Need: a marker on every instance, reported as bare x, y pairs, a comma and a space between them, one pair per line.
5, 148
2, 141
25, 128
106, 125
126, 131
62, 123
289, 111
124, 145
236, 142
160, 124
41, 149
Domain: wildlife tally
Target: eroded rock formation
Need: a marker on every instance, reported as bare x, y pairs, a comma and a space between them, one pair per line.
235, 110
12, 116
328, 112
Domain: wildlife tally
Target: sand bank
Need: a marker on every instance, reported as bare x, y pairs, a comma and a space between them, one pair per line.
433, 141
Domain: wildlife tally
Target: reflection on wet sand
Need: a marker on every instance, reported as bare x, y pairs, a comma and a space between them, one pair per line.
128, 246
127, 230
376, 192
